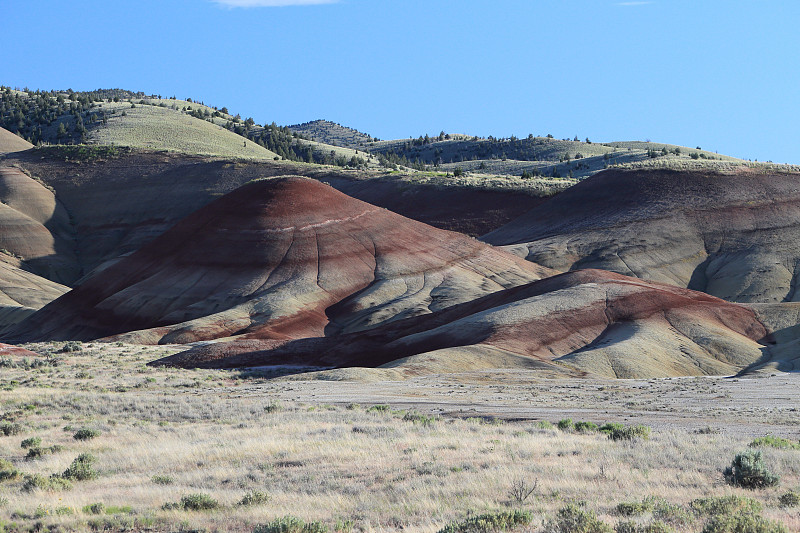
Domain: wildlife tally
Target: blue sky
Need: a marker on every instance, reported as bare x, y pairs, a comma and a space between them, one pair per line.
724, 75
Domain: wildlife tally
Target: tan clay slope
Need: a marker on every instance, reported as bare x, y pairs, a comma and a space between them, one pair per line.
36, 247
784, 321
34, 228
282, 258
735, 236
587, 321
10, 143
22, 293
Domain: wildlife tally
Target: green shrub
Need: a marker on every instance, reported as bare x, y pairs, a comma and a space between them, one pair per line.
10, 428
255, 497
718, 505
116, 509
608, 427
565, 424
630, 433
501, 521
634, 508
656, 526
419, 418
749, 471
585, 427
7, 471
789, 499
573, 519
33, 453
198, 502
81, 153
374, 409
161, 480
290, 524
94, 508
544, 424
775, 442
343, 526
273, 407
671, 513
32, 442
86, 434
36, 452
82, 468
39, 482
743, 523
629, 526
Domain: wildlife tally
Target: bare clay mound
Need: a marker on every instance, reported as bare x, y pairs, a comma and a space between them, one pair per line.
279, 259
35, 228
36, 247
121, 203
735, 236
587, 322
10, 143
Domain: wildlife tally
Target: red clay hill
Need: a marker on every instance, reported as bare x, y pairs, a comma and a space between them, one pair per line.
584, 322
735, 235
278, 259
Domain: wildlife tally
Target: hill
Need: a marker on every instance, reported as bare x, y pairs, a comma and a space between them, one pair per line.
132, 119
36, 246
734, 235
332, 133
164, 128
129, 118
12, 143
22, 292
119, 199
35, 229
278, 259
534, 156
580, 323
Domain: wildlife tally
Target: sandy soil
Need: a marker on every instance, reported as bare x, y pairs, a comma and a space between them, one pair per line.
752, 405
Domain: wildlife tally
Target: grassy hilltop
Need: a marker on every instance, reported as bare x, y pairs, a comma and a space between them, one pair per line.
127, 118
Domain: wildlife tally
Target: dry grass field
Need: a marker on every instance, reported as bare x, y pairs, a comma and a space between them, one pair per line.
166, 124
373, 455
164, 128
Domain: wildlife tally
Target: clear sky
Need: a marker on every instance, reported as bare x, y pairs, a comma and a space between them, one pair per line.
720, 74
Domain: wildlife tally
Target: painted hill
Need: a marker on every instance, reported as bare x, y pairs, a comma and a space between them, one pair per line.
279, 259
733, 235
579, 323
22, 293
120, 199
34, 228
11, 143
36, 242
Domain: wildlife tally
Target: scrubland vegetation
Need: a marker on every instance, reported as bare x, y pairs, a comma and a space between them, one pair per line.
125, 118
122, 446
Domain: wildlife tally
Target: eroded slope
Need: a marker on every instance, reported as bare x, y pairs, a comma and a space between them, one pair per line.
733, 235
279, 259
579, 323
